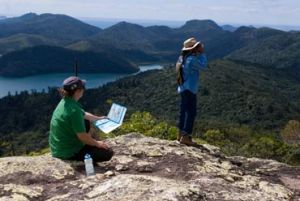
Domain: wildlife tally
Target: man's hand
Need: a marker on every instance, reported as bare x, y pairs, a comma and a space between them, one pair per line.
87, 139
92, 117
103, 117
102, 145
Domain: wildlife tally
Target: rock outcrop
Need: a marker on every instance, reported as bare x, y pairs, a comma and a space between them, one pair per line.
151, 169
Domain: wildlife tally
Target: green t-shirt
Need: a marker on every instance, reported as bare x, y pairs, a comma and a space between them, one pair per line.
67, 121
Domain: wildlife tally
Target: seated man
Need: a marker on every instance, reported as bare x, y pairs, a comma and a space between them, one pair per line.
69, 137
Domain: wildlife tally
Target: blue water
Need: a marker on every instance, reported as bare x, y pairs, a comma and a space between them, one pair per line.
42, 82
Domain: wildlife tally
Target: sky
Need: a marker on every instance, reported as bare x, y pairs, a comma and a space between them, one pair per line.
246, 12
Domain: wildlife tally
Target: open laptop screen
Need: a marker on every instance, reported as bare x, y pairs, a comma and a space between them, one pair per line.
117, 113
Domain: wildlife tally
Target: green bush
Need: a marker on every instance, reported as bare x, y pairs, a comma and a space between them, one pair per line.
138, 122
248, 142
5, 148
214, 136
40, 152
291, 132
262, 147
163, 130
145, 123
240, 135
221, 139
293, 156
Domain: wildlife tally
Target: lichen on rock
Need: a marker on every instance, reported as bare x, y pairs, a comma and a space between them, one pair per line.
145, 168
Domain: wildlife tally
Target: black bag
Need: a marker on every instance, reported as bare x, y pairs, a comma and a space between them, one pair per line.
179, 71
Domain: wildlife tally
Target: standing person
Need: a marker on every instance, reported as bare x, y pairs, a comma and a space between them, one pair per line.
191, 61
69, 137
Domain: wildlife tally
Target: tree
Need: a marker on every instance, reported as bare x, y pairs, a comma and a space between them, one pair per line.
291, 132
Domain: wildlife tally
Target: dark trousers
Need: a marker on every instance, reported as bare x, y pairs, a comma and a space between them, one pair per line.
188, 112
97, 154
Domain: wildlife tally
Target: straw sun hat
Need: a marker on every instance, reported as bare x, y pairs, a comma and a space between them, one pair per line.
190, 44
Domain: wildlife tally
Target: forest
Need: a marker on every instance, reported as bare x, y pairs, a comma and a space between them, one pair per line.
243, 108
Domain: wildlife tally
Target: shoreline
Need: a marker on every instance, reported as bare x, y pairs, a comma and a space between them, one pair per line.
42, 82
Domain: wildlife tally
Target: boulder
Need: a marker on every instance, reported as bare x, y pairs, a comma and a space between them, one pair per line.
145, 168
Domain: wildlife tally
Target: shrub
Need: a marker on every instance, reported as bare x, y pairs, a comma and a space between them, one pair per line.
262, 147
40, 152
214, 136
291, 132
293, 155
145, 123
240, 135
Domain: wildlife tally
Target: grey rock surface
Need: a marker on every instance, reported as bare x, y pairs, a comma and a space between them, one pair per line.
145, 168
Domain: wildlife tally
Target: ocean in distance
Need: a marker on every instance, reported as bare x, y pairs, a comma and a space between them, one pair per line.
42, 82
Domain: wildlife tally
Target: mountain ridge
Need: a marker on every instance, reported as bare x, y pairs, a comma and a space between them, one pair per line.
279, 51
55, 26
132, 42
62, 60
20, 41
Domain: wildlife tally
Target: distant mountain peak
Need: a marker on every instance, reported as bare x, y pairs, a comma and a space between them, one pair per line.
208, 21
126, 24
55, 26
257, 33
243, 29
229, 27
201, 24
205, 22
46, 16
28, 15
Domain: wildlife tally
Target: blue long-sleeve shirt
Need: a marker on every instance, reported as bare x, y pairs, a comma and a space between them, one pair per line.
192, 66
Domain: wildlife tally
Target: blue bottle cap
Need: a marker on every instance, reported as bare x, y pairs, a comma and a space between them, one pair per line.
87, 156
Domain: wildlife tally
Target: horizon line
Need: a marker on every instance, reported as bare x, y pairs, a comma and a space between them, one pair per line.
285, 27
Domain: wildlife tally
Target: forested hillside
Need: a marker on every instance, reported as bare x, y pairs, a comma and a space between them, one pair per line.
277, 51
235, 99
134, 43
230, 93
60, 27
49, 59
21, 41
248, 103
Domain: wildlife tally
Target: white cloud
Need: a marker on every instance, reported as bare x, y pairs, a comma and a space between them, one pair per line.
234, 11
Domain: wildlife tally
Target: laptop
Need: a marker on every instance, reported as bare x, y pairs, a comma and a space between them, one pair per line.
114, 118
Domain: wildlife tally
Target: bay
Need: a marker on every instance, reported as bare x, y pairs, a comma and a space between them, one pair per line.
42, 82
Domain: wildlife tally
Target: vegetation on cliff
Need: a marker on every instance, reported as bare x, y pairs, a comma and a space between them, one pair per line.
241, 108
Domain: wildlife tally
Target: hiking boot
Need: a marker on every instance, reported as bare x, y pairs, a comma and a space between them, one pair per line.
187, 140
179, 135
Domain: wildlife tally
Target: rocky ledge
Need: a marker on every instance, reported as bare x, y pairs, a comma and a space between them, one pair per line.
151, 169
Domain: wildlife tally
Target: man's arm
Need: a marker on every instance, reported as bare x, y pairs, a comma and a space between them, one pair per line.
91, 117
87, 139
199, 62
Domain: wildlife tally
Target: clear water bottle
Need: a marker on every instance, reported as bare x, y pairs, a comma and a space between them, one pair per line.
89, 167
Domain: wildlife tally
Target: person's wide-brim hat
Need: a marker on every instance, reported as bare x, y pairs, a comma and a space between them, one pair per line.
190, 44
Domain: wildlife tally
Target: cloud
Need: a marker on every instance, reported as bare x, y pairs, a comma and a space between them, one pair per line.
235, 11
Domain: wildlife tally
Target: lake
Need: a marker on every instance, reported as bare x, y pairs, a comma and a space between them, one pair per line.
40, 82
